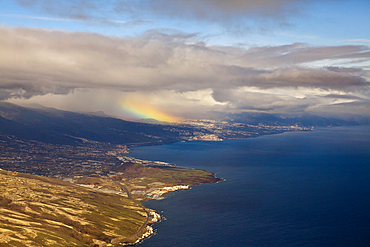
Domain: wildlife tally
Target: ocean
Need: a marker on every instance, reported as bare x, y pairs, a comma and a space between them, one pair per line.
307, 188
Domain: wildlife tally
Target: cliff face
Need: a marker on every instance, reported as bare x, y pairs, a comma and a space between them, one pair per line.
40, 211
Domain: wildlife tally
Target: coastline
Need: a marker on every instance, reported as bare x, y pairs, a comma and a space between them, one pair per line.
150, 231
138, 237
152, 216
143, 180
246, 193
156, 216
145, 231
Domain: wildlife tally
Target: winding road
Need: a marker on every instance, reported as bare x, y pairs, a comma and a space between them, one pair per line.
137, 234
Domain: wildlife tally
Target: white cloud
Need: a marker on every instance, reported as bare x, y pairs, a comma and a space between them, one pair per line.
172, 71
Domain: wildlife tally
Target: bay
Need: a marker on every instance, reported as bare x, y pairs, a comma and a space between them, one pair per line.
292, 189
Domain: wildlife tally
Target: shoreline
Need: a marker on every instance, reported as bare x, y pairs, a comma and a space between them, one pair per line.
155, 194
153, 218
148, 144
157, 190
150, 230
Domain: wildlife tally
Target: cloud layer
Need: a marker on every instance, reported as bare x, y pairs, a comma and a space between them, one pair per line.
40, 62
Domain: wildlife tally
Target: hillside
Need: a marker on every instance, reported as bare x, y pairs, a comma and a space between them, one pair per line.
41, 211
62, 127
305, 120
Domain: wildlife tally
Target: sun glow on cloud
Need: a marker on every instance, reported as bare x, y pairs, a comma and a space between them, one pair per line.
141, 109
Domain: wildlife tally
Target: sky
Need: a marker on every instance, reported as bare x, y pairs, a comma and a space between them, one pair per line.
176, 59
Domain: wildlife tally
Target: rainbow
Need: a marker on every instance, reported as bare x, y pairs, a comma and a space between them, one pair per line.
142, 110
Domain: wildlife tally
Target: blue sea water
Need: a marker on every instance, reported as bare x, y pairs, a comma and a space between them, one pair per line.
292, 189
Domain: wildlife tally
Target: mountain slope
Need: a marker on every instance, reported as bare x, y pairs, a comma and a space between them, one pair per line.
307, 120
61, 127
41, 211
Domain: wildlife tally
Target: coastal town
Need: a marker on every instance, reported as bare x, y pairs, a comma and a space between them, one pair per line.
217, 130
103, 163
93, 166
53, 160
58, 160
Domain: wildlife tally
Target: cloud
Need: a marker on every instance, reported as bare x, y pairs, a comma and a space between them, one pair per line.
308, 78
359, 40
218, 9
79, 9
298, 53
206, 9
340, 96
360, 107
346, 70
35, 62
266, 12
92, 12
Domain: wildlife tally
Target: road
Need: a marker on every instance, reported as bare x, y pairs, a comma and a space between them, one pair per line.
137, 234
122, 187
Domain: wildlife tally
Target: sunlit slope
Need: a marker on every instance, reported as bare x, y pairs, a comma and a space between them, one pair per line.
40, 211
